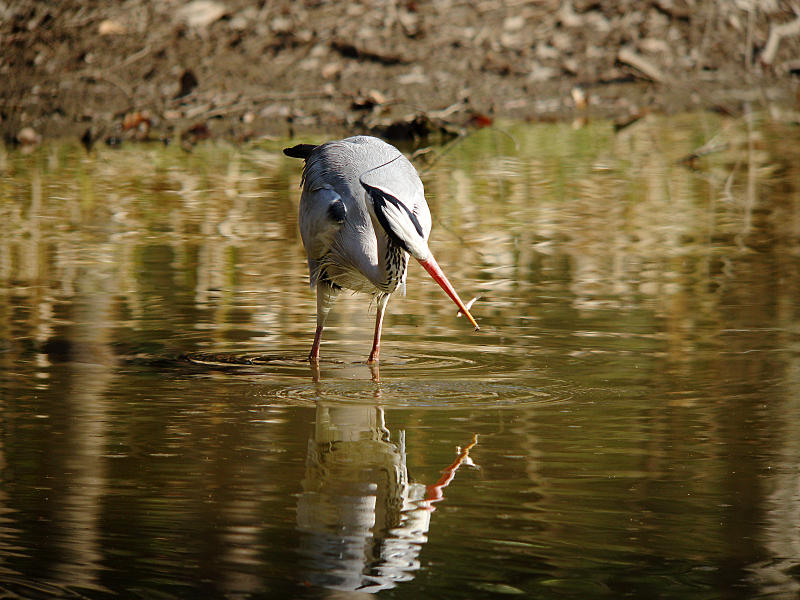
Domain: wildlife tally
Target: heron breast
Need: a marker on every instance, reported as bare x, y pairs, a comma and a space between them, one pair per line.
346, 275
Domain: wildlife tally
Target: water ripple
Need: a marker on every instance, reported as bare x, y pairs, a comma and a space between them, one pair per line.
434, 380
431, 393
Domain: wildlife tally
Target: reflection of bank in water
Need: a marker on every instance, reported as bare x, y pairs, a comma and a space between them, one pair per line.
362, 522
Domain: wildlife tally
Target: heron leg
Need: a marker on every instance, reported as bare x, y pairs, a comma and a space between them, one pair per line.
313, 356
381, 301
326, 294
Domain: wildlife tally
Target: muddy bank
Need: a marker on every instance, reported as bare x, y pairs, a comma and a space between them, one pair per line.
186, 70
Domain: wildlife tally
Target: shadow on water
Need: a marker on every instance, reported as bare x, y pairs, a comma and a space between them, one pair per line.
634, 386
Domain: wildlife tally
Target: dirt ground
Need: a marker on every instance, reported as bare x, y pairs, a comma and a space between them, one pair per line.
185, 70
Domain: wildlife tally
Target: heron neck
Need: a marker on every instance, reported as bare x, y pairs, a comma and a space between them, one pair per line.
392, 263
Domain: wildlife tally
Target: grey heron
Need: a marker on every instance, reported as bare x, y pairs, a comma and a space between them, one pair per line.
362, 212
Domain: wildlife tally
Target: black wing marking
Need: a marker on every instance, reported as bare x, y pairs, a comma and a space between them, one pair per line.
379, 201
300, 151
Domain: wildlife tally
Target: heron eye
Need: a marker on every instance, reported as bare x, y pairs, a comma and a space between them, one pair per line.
337, 211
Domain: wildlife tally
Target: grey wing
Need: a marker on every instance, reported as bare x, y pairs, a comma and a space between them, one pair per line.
322, 214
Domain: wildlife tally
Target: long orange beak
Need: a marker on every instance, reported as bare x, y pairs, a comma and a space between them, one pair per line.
432, 267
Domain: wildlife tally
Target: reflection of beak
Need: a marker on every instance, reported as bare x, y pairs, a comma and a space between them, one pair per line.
432, 267
435, 492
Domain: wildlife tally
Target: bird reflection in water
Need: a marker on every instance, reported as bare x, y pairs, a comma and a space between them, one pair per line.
363, 522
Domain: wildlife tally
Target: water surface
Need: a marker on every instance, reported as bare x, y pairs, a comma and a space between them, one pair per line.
626, 423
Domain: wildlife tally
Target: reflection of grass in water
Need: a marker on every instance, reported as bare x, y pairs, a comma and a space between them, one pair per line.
619, 207
610, 302
162, 223
587, 219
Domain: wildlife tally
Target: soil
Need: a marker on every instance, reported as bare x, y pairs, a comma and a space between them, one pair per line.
186, 70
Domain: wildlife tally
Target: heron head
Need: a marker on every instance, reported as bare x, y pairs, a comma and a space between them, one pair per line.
405, 230
397, 220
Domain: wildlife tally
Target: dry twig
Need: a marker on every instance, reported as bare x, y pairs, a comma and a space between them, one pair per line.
776, 33
641, 64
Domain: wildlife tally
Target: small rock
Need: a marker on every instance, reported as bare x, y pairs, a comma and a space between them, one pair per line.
515, 23
371, 100
201, 13
27, 136
579, 97
281, 25
546, 52
415, 76
331, 70
541, 73
654, 46
409, 21
111, 27
376, 97
243, 20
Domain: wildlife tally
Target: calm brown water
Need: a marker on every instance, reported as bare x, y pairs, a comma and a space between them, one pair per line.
634, 393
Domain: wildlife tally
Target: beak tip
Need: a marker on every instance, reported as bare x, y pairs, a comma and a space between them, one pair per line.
431, 266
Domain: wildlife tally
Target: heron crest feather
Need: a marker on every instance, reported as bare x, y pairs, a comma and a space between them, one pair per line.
300, 151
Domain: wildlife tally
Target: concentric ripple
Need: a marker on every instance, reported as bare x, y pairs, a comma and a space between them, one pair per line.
432, 380
249, 364
431, 393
